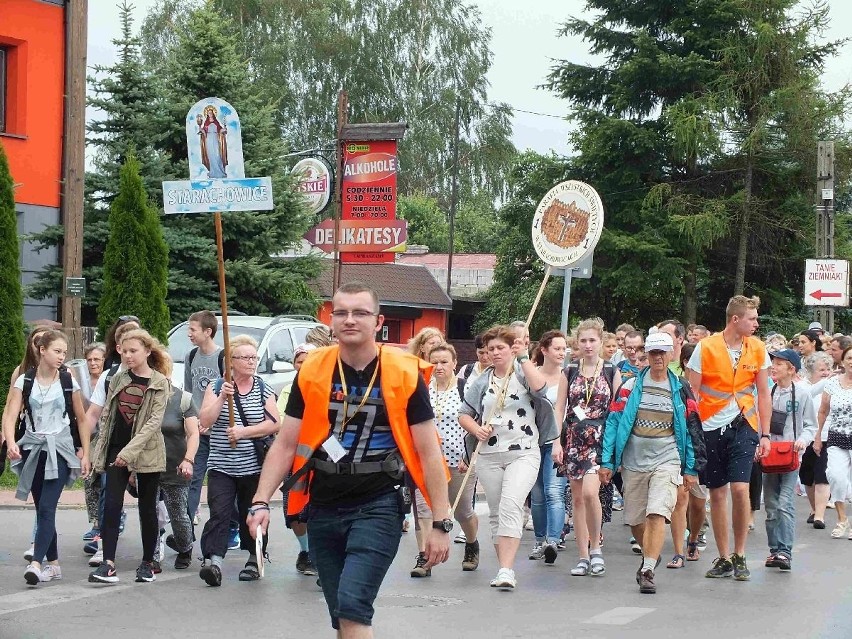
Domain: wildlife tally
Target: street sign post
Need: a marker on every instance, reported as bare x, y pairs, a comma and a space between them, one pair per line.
826, 282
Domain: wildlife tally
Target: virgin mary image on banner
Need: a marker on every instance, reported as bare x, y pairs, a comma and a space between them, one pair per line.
214, 144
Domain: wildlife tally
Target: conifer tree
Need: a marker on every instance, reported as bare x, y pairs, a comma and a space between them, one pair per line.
135, 269
11, 298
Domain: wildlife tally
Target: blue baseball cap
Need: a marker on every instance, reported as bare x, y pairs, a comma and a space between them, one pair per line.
789, 355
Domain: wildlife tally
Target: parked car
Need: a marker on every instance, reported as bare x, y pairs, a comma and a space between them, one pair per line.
277, 338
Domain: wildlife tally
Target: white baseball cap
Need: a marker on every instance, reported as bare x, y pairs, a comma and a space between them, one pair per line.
659, 341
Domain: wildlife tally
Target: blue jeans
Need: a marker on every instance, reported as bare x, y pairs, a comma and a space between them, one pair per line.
199, 469
778, 499
46, 494
352, 548
547, 500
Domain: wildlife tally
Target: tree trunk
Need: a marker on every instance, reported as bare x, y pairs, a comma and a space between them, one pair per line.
742, 250
690, 294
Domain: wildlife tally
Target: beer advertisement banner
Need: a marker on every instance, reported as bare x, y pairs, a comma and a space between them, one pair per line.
369, 189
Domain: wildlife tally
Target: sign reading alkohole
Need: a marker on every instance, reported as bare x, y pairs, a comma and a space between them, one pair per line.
826, 282
567, 224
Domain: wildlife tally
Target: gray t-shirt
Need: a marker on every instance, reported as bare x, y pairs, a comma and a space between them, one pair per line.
806, 420
174, 436
204, 369
652, 442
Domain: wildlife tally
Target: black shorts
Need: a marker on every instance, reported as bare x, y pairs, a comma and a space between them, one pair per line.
730, 453
813, 468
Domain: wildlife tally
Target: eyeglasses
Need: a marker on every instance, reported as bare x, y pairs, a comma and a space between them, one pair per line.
128, 318
356, 314
245, 358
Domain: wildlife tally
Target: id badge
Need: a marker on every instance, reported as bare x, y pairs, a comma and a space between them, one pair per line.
579, 412
335, 450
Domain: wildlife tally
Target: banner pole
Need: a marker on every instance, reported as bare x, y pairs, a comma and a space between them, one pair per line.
223, 301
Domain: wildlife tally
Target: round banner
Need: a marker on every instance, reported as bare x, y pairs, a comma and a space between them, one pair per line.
314, 183
567, 224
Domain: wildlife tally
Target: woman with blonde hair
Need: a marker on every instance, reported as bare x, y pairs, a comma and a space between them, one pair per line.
425, 340
233, 467
582, 405
131, 441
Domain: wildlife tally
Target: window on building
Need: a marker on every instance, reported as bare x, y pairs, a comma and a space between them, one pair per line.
2, 89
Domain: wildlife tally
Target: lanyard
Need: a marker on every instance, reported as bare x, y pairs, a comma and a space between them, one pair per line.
346, 417
589, 383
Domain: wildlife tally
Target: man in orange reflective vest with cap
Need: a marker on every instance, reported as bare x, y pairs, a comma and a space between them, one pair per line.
729, 373
358, 419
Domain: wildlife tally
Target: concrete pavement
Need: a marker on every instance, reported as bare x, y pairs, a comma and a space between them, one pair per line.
813, 601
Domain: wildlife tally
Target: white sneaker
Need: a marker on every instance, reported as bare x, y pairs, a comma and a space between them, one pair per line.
460, 538
505, 579
51, 572
537, 551
97, 559
32, 575
28, 556
840, 530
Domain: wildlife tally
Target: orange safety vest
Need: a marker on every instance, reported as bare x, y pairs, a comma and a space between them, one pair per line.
399, 374
720, 382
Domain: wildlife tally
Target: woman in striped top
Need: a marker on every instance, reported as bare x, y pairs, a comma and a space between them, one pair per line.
233, 471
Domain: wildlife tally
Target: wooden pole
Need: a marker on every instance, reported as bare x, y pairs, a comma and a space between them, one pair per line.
73, 170
454, 201
503, 389
223, 300
825, 219
342, 115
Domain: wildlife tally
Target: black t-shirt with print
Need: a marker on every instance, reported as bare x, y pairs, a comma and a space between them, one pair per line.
129, 400
366, 437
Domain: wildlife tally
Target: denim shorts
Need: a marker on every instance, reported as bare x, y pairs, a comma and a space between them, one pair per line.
730, 453
352, 548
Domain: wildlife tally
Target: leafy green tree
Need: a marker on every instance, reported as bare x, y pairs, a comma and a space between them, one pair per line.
427, 223
11, 298
135, 259
399, 60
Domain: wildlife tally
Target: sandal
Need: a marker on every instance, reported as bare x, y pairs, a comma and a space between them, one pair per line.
676, 562
250, 572
692, 553
582, 568
598, 566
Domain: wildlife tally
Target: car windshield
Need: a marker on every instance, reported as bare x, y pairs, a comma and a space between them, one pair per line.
179, 344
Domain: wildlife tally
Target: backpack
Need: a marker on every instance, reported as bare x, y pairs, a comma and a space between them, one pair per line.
67, 382
191, 356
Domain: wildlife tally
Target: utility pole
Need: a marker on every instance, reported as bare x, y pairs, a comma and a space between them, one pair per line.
342, 118
454, 199
825, 220
73, 169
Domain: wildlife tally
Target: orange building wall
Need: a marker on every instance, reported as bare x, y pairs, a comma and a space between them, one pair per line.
408, 327
33, 32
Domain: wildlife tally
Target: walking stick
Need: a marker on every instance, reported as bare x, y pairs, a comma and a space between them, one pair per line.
498, 404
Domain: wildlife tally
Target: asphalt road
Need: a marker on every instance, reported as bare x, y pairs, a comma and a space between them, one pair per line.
813, 601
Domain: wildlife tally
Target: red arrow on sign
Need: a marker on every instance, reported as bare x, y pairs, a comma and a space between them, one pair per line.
819, 295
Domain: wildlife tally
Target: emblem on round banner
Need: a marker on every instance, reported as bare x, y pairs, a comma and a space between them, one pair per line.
567, 224
313, 183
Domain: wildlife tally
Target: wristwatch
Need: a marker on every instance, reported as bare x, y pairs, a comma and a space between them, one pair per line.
445, 525
765, 435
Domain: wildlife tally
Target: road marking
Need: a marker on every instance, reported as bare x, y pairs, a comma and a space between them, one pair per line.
619, 616
65, 592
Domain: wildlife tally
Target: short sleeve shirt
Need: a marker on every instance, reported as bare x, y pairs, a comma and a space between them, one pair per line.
174, 435
840, 407
241, 460
730, 412
652, 442
47, 406
364, 433
513, 425
446, 406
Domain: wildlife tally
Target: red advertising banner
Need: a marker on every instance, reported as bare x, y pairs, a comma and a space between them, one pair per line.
368, 189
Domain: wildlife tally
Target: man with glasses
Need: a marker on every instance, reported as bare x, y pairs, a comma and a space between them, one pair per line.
358, 421
634, 344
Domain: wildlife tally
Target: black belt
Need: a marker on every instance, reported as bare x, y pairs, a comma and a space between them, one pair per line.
392, 466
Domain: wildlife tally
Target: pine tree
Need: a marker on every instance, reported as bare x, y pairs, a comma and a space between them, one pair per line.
136, 258
205, 62
11, 298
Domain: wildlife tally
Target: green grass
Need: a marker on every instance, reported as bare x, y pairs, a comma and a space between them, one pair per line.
9, 481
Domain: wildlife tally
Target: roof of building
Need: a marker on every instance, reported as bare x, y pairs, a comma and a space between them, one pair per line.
460, 260
396, 284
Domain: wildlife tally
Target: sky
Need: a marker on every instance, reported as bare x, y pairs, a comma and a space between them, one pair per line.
524, 45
